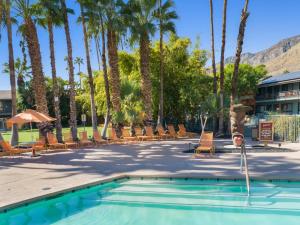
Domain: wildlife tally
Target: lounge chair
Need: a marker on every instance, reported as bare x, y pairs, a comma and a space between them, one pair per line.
161, 132
172, 131
84, 141
206, 143
69, 142
98, 139
53, 143
150, 135
126, 136
9, 150
183, 133
139, 134
113, 138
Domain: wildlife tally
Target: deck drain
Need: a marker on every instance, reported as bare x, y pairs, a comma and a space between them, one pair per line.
46, 188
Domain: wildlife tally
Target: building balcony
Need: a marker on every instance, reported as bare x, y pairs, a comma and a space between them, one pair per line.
280, 96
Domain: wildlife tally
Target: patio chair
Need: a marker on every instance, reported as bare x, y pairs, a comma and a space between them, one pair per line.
172, 131
183, 133
206, 143
69, 142
139, 134
84, 141
53, 143
126, 136
162, 133
150, 135
113, 137
98, 139
9, 150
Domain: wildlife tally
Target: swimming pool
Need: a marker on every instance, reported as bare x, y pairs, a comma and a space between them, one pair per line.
163, 201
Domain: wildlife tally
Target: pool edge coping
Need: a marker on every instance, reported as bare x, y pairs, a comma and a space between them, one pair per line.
5, 208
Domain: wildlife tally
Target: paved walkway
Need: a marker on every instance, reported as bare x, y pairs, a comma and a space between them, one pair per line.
23, 177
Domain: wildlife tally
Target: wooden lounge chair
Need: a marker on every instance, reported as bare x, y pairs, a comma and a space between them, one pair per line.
69, 142
84, 141
183, 133
139, 134
150, 135
98, 139
113, 138
9, 150
172, 131
127, 137
53, 143
161, 132
206, 143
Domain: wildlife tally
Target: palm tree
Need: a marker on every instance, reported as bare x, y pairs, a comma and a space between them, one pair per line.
105, 75
213, 47
24, 10
49, 12
14, 137
89, 69
72, 121
79, 62
239, 49
213, 55
113, 27
221, 116
140, 16
166, 24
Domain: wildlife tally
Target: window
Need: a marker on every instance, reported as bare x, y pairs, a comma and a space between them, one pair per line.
269, 108
287, 108
285, 87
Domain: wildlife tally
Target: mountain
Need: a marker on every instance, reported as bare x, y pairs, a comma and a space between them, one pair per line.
281, 57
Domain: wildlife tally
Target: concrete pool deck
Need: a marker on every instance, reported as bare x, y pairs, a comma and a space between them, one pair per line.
23, 178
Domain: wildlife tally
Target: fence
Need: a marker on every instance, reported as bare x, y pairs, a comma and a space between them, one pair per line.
286, 128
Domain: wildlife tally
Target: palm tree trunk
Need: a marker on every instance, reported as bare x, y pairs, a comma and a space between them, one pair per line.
221, 117
106, 82
73, 120
14, 136
145, 73
114, 66
239, 49
96, 39
161, 72
213, 57
56, 101
90, 73
39, 86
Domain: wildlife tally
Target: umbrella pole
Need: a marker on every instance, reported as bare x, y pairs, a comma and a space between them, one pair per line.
31, 131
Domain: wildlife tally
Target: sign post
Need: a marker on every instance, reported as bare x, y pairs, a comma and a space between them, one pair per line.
83, 120
266, 132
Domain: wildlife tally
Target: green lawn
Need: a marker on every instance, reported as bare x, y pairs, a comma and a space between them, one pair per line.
25, 135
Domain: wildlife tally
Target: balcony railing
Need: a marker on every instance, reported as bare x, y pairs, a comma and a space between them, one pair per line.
280, 95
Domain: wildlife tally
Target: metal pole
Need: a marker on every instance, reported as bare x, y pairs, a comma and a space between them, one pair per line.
31, 131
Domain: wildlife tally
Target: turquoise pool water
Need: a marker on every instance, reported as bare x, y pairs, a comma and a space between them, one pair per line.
167, 202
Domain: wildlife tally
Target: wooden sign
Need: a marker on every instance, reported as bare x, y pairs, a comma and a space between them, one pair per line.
266, 131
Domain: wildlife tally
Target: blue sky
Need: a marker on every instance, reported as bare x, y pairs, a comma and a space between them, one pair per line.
269, 22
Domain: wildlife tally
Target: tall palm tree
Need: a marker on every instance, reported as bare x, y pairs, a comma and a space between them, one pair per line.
72, 121
239, 48
140, 16
49, 16
165, 16
105, 75
113, 28
79, 62
213, 60
24, 10
89, 68
212, 35
221, 116
14, 137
